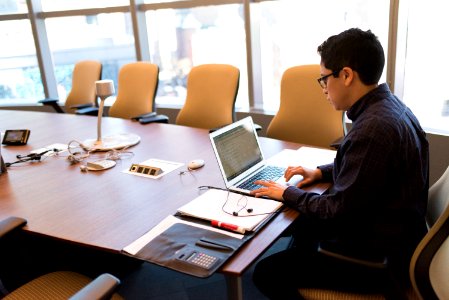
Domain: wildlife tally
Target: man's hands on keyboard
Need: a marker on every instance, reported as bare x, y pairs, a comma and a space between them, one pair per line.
269, 189
267, 173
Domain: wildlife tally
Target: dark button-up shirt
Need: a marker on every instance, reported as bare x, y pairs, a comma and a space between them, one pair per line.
380, 178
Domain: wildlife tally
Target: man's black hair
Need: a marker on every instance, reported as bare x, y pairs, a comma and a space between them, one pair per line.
360, 50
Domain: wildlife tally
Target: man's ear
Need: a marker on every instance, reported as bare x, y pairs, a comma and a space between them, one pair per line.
348, 75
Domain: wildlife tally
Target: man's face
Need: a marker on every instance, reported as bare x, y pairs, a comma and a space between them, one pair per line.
334, 88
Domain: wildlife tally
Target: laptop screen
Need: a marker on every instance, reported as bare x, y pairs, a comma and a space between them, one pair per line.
237, 147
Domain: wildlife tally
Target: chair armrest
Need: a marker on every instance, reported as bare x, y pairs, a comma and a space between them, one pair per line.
154, 119
80, 106
9, 224
87, 111
335, 144
102, 287
53, 103
215, 129
147, 115
333, 249
48, 101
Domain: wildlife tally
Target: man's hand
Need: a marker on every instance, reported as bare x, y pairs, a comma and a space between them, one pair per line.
309, 175
270, 189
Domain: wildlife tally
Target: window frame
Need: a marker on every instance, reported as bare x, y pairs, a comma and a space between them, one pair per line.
396, 51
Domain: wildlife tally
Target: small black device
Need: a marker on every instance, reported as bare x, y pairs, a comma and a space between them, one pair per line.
16, 137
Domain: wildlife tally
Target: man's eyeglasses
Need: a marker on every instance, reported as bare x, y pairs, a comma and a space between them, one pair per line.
322, 81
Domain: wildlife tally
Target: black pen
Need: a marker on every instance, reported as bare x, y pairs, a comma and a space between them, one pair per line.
204, 242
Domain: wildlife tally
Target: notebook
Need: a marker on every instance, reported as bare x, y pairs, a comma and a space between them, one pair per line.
241, 160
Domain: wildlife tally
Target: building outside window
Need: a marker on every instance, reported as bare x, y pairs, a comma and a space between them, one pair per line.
290, 32
425, 74
104, 37
20, 79
182, 38
262, 38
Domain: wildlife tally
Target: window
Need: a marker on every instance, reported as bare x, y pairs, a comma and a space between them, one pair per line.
61, 5
183, 33
427, 65
182, 38
104, 37
290, 32
20, 78
13, 7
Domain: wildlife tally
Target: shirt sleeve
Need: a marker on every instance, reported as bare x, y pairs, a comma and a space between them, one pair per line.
360, 159
326, 171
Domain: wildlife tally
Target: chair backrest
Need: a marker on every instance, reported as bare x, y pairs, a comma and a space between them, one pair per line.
438, 199
211, 93
304, 115
429, 266
136, 90
84, 75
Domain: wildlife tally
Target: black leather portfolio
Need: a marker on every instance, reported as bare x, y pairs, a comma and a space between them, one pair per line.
190, 249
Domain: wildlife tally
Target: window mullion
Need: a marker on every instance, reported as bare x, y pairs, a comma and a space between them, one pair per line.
43, 50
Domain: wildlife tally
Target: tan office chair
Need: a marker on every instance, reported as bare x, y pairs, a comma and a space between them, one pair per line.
82, 94
305, 116
136, 92
61, 284
429, 266
211, 93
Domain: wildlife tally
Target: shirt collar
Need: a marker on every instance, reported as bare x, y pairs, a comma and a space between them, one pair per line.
377, 94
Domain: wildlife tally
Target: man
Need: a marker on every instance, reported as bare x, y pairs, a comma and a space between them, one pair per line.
377, 202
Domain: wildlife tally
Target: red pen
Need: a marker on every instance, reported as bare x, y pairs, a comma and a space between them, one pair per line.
228, 226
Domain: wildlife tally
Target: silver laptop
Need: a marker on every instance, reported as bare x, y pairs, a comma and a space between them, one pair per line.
240, 157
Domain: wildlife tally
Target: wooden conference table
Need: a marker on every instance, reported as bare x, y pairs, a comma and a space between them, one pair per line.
108, 210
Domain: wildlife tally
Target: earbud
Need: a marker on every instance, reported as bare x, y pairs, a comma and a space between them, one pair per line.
236, 213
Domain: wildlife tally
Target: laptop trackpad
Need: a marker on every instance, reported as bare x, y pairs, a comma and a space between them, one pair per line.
293, 181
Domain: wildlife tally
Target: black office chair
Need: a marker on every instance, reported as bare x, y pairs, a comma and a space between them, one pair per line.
61, 284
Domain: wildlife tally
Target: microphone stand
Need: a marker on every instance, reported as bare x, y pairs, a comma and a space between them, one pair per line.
104, 89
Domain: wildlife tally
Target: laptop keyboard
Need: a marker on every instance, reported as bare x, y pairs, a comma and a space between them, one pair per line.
267, 173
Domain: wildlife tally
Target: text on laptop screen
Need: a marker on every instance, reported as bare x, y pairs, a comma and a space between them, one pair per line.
238, 150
